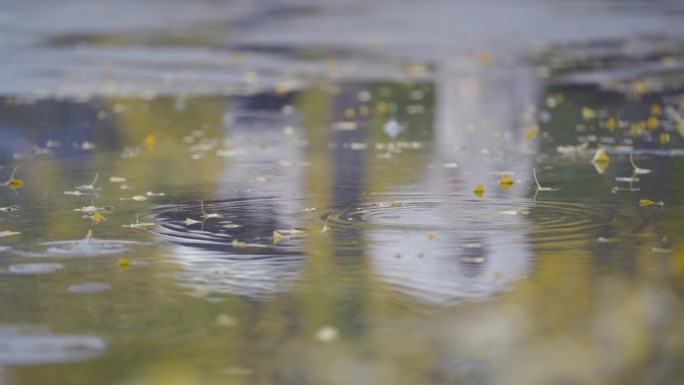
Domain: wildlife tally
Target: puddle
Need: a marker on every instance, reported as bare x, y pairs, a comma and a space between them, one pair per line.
428, 184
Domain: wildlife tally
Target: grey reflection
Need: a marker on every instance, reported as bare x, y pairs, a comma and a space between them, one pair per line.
34, 344
255, 276
474, 252
230, 249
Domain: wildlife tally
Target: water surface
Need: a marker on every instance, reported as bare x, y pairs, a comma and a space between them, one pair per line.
291, 208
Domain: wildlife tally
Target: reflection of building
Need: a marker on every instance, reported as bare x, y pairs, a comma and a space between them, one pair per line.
473, 250
439, 245
230, 248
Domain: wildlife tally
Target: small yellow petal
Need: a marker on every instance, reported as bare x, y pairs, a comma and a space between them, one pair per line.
124, 262
277, 237
588, 113
479, 191
648, 202
656, 110
485, 58
600, 156
664, 138
15, 183
505, 180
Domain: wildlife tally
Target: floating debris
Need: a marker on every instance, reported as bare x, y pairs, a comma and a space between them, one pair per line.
124, 263
450, 165
515, 212
10, 209
637, 170
13, 182
600, 156
208, 216
75, 193
89, 187
92, 209
588, 113
8, 233
618, 189
138, 198
479, 191
325, 228
506, 181
96, 217
139, 225
279, 235
648, 202
539, 187
327, 334
345, 126
241, 245
117, 179
387, 204
626, 179
154, 194
226, 320
190, 221
572, 150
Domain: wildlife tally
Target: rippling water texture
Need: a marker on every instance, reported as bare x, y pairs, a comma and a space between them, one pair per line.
347, 192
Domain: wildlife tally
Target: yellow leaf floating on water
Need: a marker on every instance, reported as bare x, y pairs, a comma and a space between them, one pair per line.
611, 124
505, 182
431, 237
13, 182
664, 138
150, 141
648, 202
588, 113
97, 217
600, 156
277, 237
656, 110
652, 123
124, 262
485, 58
238, 244
532, 131
479, 191
600, 160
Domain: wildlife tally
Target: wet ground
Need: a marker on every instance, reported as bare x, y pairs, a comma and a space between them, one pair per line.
393, 193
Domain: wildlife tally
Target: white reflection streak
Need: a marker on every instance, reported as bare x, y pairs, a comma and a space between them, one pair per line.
471, 107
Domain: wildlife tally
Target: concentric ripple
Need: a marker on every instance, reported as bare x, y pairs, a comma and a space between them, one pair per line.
246, 223
228, 247
557, 221
446, 250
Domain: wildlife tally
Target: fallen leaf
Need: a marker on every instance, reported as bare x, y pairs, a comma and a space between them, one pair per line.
479, 191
